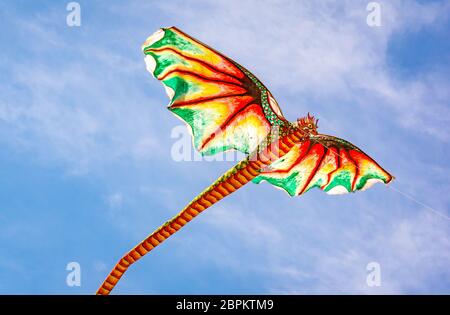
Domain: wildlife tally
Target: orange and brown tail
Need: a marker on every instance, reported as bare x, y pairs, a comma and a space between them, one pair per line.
234, 179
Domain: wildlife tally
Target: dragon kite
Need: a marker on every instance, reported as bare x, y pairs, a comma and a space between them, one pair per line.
227, 107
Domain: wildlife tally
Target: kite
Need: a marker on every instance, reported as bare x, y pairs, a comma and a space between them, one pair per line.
226, 107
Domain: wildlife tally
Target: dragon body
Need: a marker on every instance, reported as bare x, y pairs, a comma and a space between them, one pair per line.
227, 107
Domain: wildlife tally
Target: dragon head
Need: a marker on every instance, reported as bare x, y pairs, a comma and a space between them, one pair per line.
308, 124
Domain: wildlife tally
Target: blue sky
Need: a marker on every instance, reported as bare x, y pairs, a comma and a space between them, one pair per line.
85, 149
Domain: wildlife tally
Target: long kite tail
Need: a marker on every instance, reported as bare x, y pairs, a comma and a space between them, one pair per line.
235, 178
232, 180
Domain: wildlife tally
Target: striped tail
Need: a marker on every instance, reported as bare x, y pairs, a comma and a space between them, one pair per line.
232, 180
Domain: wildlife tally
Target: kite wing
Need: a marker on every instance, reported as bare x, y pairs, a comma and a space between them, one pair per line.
225, 106
334, 165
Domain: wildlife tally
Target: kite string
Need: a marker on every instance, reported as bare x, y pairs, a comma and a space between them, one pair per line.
404, 194
420, 203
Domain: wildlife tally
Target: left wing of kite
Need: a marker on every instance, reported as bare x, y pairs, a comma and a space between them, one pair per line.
224, 105
329, 163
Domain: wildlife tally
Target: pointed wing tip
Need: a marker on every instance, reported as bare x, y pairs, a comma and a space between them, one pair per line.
392, 177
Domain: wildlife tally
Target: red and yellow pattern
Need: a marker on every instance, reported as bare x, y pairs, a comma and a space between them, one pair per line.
225, 106
329, 163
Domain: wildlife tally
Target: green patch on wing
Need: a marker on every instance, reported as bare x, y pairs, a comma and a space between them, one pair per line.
289, 183
181, 87
172, 39
363, 180
165, 60
343, 178
199, 121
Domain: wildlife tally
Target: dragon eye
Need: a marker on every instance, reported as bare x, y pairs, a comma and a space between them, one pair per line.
309, 125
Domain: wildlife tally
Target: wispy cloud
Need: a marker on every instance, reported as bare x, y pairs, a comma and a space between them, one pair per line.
75, 111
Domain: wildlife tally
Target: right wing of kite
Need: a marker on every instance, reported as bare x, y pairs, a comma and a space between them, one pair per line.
334, 165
